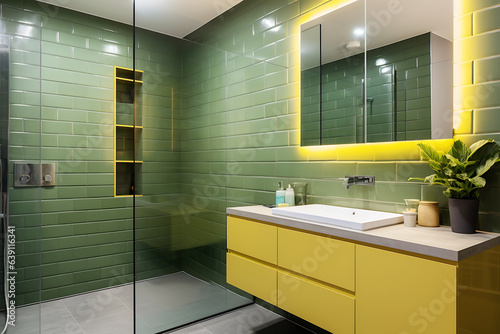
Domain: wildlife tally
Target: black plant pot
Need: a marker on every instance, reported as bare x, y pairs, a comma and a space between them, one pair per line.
463, 215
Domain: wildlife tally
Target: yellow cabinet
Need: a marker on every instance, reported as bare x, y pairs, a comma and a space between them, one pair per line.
326, 259
253, 277
321, 305
254, 239
353, 288
403, 294
479, 293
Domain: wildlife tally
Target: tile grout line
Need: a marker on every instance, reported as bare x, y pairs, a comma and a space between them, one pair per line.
72, 317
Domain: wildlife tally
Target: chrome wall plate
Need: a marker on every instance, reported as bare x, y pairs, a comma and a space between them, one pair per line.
34, 175
48, 178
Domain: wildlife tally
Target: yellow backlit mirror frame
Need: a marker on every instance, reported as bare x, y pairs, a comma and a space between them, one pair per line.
406, 150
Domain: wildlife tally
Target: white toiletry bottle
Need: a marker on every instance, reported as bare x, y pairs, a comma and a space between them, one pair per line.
280, 194
290, 196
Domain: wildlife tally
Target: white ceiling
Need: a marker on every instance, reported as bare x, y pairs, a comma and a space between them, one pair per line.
176, 18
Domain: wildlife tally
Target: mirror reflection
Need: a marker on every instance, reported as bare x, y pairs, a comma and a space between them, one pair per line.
399, 89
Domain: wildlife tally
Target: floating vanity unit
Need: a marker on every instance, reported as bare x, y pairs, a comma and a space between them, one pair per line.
387, 280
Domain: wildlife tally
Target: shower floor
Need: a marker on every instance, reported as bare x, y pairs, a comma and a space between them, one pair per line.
162, 303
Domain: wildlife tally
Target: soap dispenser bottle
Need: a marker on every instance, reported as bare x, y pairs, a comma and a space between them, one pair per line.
280, 194
290, 196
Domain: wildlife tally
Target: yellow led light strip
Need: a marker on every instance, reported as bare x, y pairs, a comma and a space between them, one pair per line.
385, 151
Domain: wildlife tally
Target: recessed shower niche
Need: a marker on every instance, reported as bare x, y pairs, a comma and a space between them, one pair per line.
128, 132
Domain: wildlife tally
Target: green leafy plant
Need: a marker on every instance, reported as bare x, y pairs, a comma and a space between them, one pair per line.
460, 169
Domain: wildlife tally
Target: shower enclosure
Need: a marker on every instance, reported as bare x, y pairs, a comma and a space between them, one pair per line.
90, 256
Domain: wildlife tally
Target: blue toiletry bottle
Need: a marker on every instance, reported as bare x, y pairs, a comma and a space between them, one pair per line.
280, 194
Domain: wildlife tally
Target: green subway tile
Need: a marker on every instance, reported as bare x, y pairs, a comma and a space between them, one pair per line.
101, 117
405, 170
17, 125
476, 47
306, 5
73, 141
57, 127
86, 204
25, 84
25, 70
382, 171
16, 14
489, 222
486, 70
85, 228
476, 96
86, 276
254, 42
435, 193
264, 23
276, 79
57, 205
326, 188
275, 34
49, 36
21, 30
286, 91
72, 192
243, 34
48, 140
486, 120
288, 12
57, 49
396, 192
66, 167
276, 109
72, 179
25, 44
49, 153
25, 139
56, 231
288, 122
71, 115
100, 191
101, 179
57, 101
29, 125
57, 281
86, 54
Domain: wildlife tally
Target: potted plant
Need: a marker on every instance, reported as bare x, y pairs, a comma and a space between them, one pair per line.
460, 170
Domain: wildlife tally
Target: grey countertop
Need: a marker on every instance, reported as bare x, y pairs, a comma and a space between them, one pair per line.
437, 242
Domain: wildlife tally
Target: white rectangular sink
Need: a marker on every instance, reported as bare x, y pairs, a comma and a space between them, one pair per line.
357, 219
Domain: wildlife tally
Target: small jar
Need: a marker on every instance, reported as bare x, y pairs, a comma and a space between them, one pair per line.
428, 214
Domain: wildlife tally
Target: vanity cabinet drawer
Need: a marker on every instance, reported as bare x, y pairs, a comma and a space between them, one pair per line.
316, 303
399, 293
252, 238
253, 277
322, 258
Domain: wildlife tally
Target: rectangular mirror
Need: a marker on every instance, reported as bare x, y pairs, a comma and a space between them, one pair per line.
384, 78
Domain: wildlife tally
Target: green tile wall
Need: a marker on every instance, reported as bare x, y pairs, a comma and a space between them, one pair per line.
221, 130
476, 59
206, 94
25, 140
252, 177
62, 83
